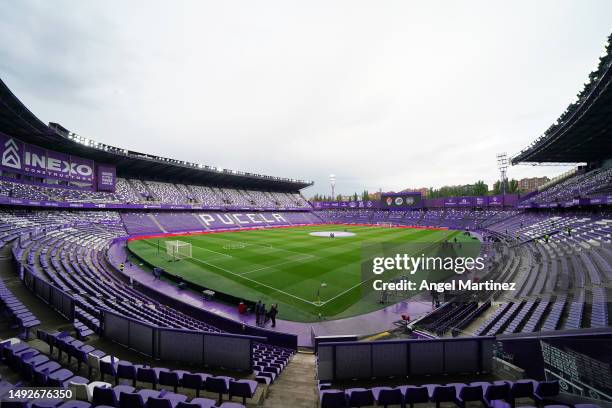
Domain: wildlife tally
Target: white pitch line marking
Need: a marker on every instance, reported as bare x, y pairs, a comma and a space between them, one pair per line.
254, 281
359, 284
259, 245
215, 252
278, 264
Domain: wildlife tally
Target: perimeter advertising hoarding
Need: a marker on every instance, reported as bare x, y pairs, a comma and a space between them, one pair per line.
509, 200
474, 201
401, 201
344, 204
17, 156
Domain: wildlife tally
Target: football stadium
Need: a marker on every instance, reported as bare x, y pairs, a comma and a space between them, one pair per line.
129, 279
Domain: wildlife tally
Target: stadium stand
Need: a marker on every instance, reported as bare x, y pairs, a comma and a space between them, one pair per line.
56, 233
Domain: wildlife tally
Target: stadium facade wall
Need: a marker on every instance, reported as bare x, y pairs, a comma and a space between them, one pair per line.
349, 360
232, 351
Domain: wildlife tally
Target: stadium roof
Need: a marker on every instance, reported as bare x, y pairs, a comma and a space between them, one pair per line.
583, 133
16, 120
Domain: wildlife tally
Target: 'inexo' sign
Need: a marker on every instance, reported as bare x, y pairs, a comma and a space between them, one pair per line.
21, 157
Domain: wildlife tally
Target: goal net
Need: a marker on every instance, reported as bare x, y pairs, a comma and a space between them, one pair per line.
385, 224
178, 250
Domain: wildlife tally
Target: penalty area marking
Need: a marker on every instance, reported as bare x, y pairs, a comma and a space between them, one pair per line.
258, 245
253, 280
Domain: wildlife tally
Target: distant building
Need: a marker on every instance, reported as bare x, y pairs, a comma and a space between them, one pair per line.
423, 190
532, 183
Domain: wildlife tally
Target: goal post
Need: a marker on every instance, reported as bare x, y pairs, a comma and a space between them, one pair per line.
178, 250
384, 224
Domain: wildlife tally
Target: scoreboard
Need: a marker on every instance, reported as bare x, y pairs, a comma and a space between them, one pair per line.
401, 201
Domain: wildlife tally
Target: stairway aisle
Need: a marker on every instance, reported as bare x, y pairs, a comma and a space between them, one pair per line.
296, 386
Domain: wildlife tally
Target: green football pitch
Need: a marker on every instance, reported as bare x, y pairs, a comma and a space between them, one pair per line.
309, 277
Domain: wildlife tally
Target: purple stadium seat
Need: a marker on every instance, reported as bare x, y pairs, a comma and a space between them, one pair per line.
170, 378
42, 371
15, 403
45, 403
443, 393
218, 384
546, 390
26, 366
415, 395
118, 389
57, 378
76, 379
198, 403
332, 399
166, 400
147, 375
104, 396
468, 393
521, 389
75, 404
359, 397
242, 388
194, 382
126, 371
108, 368
496, 392
388, 396
147, 393
131, 400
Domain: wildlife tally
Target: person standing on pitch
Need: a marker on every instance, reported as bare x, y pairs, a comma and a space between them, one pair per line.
258, 312
273, 312
264, 314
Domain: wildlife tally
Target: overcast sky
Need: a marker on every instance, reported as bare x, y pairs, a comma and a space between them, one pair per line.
384, 94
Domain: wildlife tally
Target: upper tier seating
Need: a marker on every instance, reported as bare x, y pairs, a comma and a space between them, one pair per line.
592, 183
129, 191
453, 218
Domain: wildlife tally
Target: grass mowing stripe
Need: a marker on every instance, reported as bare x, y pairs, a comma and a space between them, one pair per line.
276, 265
362, 282
288, 265
192, 259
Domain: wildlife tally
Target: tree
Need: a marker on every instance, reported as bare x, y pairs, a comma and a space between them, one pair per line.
496, 188
480, 188
510, 187
513, 186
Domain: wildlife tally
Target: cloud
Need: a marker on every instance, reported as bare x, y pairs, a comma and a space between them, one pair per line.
385, 95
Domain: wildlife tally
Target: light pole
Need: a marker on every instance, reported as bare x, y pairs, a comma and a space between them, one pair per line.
332, 182
502, 165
